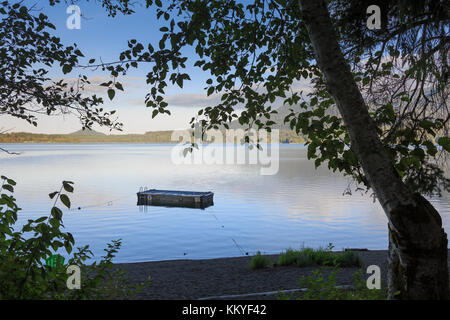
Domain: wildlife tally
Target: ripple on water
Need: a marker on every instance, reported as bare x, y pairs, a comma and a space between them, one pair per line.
297, 206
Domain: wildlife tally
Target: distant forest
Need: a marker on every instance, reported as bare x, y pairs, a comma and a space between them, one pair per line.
286, 136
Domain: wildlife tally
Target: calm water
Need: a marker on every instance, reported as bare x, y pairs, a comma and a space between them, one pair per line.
298, 206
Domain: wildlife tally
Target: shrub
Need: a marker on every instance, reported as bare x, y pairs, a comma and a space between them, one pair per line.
348, 259
23, 272
259, 261
287, 258
321, 257
324, 257
321, 287
304, 259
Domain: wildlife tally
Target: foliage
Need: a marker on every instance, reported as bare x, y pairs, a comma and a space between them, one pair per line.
402, 71
288, 257
324, 287
319, 257
259, 261
23, 272
257, 53
27, 52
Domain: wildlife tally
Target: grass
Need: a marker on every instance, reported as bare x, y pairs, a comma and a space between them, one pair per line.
306, 257
322, 285
287, 258
259, 261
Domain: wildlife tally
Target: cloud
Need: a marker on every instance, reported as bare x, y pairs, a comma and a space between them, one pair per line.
201, 100
193, 100
187, 100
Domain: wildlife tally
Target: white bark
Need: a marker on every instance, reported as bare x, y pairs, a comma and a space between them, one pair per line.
418, 244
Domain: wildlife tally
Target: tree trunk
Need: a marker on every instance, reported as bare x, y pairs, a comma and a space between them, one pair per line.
417, 242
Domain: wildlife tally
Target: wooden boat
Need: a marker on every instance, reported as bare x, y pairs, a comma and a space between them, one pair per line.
171, 198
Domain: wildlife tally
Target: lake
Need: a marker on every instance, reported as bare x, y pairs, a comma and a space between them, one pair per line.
298, 206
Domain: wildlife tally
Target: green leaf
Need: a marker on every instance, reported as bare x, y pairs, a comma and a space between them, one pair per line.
444, 142
68, 247
66, 68
55, 223
65, 200
180, 82
426, 124
317, 162
105, 84
8, 187
56, 213
431, 148
111, 94
70, 237
53, 194
118, 85
311, 150
41, 219
162, 44
68, 186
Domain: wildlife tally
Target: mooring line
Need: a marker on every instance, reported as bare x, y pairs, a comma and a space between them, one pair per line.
110, 203
107, 203
244, 253
240, 248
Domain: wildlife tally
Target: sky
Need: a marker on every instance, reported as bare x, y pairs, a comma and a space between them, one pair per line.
104, 37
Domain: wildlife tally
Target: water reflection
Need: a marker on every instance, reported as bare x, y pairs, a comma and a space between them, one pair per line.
299, 205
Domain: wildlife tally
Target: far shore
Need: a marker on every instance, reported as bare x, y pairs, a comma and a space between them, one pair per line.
285, 136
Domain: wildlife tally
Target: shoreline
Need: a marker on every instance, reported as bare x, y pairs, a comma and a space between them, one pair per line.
124, 142
204, 278
211, 278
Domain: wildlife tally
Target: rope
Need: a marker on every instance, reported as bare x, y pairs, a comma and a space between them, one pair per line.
244, 253
110, 203
240, 248
107, 203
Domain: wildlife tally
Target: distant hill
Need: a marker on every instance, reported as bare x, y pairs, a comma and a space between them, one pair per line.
86, 132
92, 136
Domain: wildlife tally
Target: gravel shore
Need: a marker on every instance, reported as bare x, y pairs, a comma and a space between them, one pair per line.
196, 279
